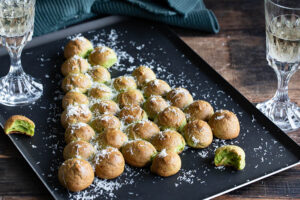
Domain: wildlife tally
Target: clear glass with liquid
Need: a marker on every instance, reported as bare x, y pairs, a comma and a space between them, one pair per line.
16, 28
283, 55
16, 19
283, 39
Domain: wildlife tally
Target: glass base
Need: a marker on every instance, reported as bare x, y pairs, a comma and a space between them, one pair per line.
286, 115
19, 90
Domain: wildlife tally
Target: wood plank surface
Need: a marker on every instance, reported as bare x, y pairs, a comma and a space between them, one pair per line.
238, 54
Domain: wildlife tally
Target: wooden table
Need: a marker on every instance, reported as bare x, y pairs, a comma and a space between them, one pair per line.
238, 53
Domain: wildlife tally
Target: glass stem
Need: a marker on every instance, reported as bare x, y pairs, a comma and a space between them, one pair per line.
15, 60
281, 94
284, 73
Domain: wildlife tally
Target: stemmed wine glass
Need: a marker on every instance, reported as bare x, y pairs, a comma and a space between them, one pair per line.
16, 28
283, 55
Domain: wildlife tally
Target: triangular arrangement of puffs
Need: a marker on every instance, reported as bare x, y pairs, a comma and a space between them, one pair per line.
134, 118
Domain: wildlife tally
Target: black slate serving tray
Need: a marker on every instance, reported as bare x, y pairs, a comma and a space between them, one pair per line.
268, 149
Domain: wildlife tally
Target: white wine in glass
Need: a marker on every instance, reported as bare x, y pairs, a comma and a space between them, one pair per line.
283, 39
283, 55
16, 28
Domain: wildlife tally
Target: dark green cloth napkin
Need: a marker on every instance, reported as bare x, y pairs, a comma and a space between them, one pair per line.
52, 15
